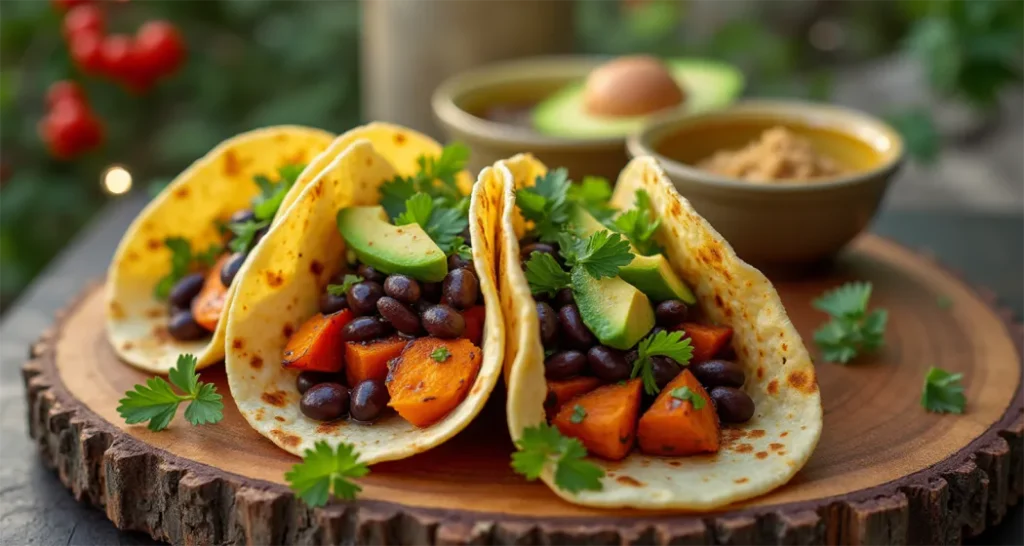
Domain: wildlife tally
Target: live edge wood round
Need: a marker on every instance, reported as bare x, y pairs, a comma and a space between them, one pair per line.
885, 470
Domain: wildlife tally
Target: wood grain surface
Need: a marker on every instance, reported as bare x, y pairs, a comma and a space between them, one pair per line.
885, 471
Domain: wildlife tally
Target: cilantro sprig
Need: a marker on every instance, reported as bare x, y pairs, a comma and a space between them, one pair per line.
346, 283
442, 224
324, 471
546, 204
593, 194
639, 225
686, 395
601, 255
578, 414
264, 206
852, 329
157, 402
663, 343
545, 275
943, 392
436, 177
543, 445
440, 354
183, 261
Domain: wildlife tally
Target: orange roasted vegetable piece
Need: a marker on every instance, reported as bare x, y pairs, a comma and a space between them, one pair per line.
560, 392
603, 419
317, 344
208, 306
474, 317
673, 427
706, 340
431, 378
369, 359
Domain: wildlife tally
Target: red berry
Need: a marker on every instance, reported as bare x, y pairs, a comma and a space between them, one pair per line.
65, 5
118, 55
160, 47
83, 19
63, 90
70, 129
86, 51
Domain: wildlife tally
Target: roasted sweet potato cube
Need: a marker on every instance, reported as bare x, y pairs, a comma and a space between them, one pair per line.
432, 377
208, 305
316, 346
369, 359
561, 391
706, 340
604, 419
673, 427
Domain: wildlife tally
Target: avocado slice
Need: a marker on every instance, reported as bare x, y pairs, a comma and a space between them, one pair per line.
614, 310
389, 248
707, 84
651, 274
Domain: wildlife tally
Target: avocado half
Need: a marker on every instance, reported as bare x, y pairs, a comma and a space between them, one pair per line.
707, 84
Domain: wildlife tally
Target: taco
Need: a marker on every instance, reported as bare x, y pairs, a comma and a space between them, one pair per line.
171, 277
635, 330
369, 314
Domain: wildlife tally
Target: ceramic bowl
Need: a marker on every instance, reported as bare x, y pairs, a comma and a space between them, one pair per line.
779, 225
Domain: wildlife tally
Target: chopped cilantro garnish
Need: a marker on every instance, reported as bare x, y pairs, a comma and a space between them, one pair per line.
593, 194
265, 205
346, 283
157, 402
663, 343
852, 329
546, 204
182, 263
603, 254
544, 444
324, 470
440, 354
639, 225
442, 225
578, 414
437, 177
943, 392
685, 394
245, 234
544, 274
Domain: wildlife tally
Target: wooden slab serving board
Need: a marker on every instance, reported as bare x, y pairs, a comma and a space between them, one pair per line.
885, 471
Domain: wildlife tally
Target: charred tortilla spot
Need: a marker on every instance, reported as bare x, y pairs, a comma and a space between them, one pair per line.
784, 434
318, 190
757, 433
289, 440
801, 381
775, 447
785, 347
256, 362
399, 139
329, 428
282, 137
760, 372
258, 415
237, 343
231, 164
274, 279
276, 398
297, 158
154, 244
155, 312
132, 256
762, 454
369, 161
744, 448
773, 387
279, 418
127, 345
116, 311
287, 330
675, 463
160, 334
316, 268
677, 209
626, 480
741, 480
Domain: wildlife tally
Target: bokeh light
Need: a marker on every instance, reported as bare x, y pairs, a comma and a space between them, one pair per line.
116, 180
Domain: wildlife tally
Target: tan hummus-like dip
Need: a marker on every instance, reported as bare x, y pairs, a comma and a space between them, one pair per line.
777, 155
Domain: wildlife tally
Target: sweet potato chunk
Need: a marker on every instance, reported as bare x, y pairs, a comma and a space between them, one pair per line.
369, 359
560, 392
208, 305
606, 419
474, 317
431, 378
673, 427
706, 340
317, 343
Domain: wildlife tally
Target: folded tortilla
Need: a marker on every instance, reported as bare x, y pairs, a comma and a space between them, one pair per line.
211, 189
282, 281
756, 457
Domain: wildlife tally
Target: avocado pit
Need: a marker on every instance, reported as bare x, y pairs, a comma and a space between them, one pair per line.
631, 86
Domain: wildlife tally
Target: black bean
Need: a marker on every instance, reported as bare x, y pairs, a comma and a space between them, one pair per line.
368, 273
362, 297
186, 290
543, 248
573, 329
458, 262
401, 317
431, 291
329, 303
460, 289
564, 365
402, 288
369, 398
671, 312
548, 324
443, 321
733, 405
608, 364
325, 402
183, 327
718, 373
306, 380
564, 297
665, 370
365, 329
231, 267
242, 216
260, 233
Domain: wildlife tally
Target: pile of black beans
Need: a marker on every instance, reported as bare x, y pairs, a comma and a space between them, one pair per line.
385, 305
183, 325
572, 350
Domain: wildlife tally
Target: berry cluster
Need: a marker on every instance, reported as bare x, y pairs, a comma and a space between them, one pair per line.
70, 127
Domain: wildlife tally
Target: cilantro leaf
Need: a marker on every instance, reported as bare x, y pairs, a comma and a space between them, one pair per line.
324, 470
445, 167
440, 354
852, 329
442, 225
394, 193
417, 210
546, 204
209, 256
436, 177
593, 194
346, 283
157, 402
664, 343
943, 392
687, 395
544, 274
578, 414
265, 205
463, 250
245, 234
604, 254
544, 444
639, 225
181, 262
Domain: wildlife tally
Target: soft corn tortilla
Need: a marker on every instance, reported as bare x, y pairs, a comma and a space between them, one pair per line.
280, 288
757, 456
213, 188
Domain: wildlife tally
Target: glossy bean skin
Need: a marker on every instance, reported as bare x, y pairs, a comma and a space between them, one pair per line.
670, 313
242, 216
325, 402
362, 297
183, 327
718, 373
564, 364
186, 290
573, 329
543, 248
564, 297
431, 291
548, 320
231, 267
733, 405
665, 370
460, 289
329, 303
307, 380
443, 321
458, 262
369, 273
365, 329
401, 317
402, 288
608, 364
369, 399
